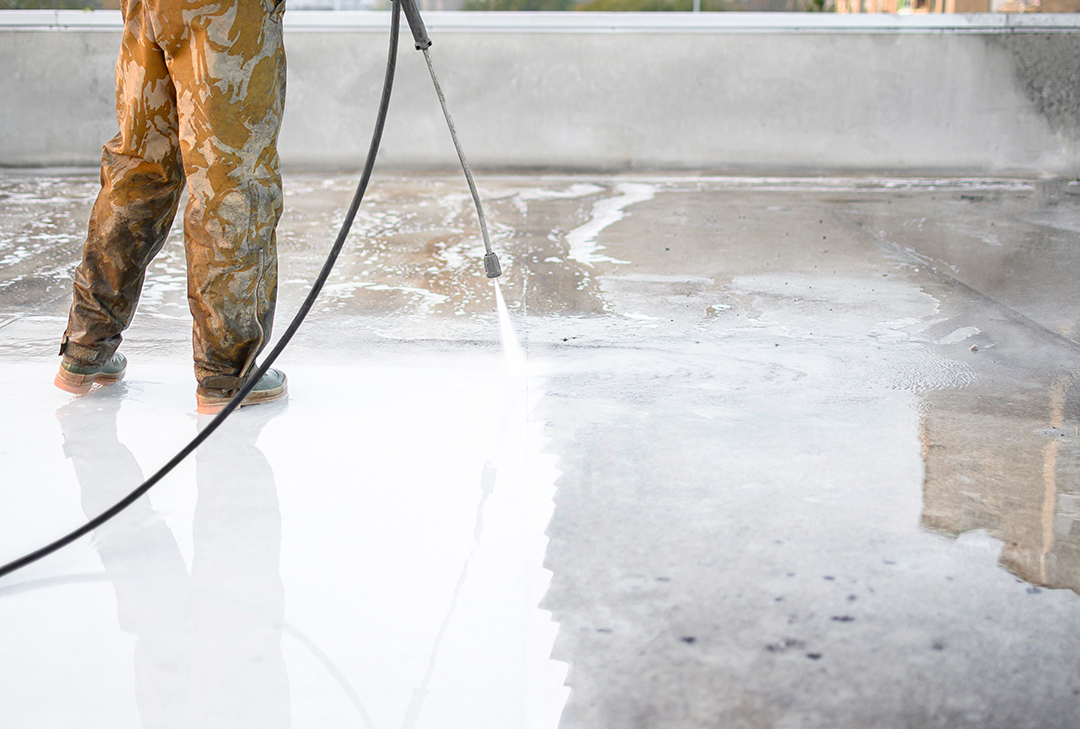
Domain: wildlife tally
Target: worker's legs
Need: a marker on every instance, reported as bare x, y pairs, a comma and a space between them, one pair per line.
141, 180
227, 62
200, 81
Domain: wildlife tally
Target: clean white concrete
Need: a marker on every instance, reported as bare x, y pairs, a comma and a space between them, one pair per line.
372, 559
721, 91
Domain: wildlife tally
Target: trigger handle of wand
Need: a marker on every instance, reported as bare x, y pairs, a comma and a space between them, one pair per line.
416, 24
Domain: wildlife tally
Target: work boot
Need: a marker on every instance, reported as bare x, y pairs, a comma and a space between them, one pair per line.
78, 379
214, 393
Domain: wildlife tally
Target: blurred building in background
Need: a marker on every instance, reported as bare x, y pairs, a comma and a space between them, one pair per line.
957, 6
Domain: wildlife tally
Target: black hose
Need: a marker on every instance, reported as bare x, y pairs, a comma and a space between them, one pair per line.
294, 325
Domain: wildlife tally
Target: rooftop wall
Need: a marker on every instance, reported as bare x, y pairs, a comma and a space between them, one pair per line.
731, 92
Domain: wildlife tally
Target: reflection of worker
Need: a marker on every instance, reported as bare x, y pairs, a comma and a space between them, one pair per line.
200, 88
208, 644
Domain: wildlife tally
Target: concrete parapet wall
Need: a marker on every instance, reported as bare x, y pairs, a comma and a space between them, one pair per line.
735, 92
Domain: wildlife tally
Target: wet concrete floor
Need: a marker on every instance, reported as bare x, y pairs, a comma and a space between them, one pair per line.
782, 453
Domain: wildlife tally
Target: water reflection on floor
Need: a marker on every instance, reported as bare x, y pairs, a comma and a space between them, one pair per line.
806, 452
368, 554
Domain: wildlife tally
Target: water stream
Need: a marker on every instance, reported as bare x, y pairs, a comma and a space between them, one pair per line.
515, 355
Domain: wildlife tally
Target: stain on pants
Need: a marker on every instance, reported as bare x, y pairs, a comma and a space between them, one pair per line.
200, 89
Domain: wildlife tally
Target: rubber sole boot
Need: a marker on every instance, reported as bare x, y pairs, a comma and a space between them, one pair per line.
78, 379
272, 387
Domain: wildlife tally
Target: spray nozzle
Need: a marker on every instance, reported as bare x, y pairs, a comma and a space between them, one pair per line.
491, 265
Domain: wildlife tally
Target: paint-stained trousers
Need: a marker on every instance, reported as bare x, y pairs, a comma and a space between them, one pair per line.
200, 89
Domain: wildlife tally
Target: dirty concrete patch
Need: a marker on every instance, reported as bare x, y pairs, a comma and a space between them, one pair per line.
1047, 66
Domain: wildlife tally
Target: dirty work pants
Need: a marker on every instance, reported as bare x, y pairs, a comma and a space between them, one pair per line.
200, 88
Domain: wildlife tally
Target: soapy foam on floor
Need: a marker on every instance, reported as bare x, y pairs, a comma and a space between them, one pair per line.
582, 240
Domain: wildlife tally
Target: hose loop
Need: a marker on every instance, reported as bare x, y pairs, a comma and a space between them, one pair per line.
290, 331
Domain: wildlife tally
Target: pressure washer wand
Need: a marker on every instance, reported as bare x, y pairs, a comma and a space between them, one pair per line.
492, 269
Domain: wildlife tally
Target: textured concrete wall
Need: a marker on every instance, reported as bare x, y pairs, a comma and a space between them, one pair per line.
721, 92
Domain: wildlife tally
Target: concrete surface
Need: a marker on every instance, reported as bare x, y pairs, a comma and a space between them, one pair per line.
775, 452
744, 92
